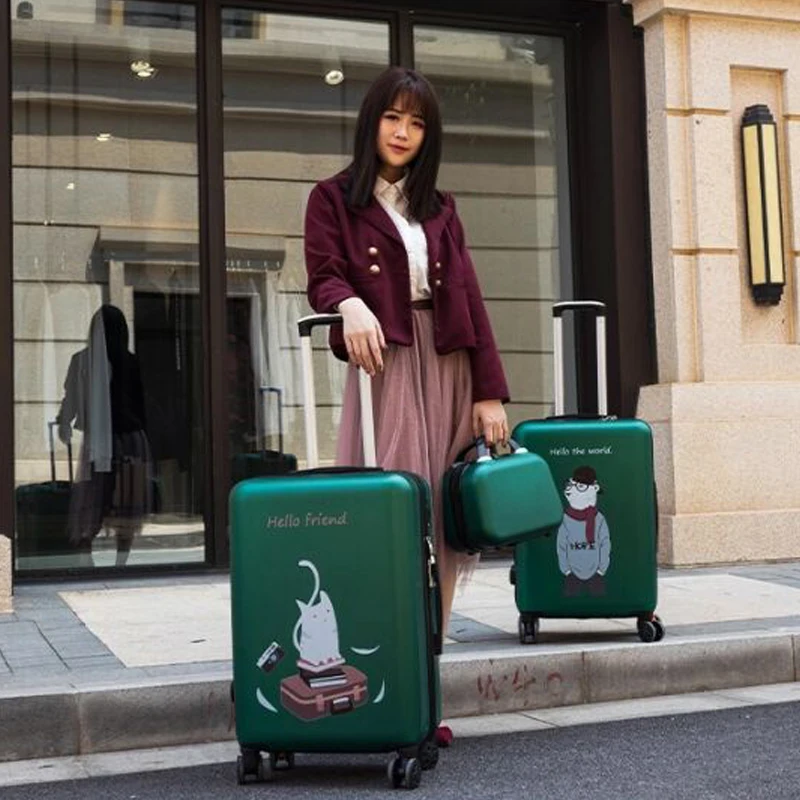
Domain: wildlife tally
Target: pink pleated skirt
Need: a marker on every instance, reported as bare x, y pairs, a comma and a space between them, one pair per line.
422, 403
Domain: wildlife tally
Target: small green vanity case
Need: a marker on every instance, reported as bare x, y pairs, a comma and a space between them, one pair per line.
497, 501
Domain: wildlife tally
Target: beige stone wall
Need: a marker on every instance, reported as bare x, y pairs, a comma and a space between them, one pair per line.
725, 412
5, 574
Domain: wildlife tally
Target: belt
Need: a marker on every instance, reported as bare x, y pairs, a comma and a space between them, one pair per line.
422, 305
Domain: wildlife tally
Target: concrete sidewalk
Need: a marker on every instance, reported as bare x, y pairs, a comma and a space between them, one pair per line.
92, 667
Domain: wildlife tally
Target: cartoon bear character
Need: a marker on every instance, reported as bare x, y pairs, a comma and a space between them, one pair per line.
583, 541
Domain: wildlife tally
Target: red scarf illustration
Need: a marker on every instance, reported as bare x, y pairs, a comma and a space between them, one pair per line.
588, 516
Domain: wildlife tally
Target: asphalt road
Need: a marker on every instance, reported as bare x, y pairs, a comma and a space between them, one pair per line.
747, 753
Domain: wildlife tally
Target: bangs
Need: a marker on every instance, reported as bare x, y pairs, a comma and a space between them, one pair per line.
412, 98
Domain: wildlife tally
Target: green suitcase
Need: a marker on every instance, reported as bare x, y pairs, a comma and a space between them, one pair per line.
498, 501
601, 562
335, 611
264, 462
43, 511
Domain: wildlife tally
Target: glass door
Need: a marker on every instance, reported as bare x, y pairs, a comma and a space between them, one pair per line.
503, 98
292, 88
110, 322
108, 380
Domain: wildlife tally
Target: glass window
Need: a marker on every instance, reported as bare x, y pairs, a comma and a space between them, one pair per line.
504, 158
146, 15
292, 94
106, 289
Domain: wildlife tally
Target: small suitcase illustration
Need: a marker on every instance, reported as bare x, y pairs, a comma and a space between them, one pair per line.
308, 701
335, 609
601, 560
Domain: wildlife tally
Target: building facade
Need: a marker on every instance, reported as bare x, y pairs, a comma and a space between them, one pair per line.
158, 158
725, 407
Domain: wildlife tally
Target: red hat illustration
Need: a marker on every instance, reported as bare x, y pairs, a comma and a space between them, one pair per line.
585, 475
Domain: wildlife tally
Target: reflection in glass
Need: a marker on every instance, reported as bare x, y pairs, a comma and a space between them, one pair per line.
104, 399
504, 157
106, 289
292, 92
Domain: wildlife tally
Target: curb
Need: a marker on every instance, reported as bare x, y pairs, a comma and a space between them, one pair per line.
496, 684
54, 723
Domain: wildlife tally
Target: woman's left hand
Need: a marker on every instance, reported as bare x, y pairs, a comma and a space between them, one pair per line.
489, 420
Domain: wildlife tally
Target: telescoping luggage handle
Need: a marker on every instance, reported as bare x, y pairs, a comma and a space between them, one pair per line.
276, 390
50, 425
305, 326
599, 310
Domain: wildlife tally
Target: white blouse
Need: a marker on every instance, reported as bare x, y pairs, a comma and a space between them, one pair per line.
392, 198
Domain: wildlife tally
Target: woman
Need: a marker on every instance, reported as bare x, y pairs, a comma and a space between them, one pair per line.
387, 251
104, 398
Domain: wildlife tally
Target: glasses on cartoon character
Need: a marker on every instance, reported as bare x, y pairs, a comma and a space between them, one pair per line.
579, 487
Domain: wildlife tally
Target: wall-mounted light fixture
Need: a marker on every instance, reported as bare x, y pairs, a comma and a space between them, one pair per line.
763, 205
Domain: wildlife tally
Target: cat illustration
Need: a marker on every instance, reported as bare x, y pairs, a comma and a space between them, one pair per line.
316, 633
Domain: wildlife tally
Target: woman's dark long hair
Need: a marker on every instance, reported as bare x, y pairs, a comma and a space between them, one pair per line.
115, 332
409, 90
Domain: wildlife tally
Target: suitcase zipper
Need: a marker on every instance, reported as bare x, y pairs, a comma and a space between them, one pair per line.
430, 577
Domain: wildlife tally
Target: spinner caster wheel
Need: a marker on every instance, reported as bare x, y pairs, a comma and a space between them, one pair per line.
404, 772
265, 770
650, 628
412, 774
647, 631
394, 771
248, 764
428, 754
528, 628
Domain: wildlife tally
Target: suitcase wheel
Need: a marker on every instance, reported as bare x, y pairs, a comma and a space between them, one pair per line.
427, 752
404, 772
650, 628
528, 628
280, 761
241, 775
264, 772
249, 763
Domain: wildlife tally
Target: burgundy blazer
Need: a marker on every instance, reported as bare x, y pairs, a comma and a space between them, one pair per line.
359, 253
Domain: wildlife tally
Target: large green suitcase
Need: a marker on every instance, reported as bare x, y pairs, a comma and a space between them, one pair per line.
335, 611
43, 511
497, 501
601, 561
264, 462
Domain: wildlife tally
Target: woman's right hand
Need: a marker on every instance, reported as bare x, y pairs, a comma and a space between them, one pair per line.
362, 335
